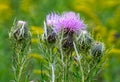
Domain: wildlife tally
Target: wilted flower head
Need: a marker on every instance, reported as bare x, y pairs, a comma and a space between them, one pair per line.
69, 21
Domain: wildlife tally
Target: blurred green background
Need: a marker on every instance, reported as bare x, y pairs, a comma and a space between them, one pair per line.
101, 16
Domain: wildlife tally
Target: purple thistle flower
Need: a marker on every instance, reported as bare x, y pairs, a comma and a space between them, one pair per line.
69, 21
52, 19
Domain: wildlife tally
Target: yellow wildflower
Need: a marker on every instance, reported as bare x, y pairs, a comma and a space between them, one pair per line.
5, 12
111, 34
115, 51
84, 7
37, 57
35, 40
38, 71
36, 30
4, 6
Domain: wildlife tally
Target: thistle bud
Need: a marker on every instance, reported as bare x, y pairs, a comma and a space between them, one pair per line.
51, 35
97, 49
67, 42
85, 40
21, 31
20, 36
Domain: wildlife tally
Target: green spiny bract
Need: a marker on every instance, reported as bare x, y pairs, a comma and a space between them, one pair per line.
97, 49
85, 40
20, 35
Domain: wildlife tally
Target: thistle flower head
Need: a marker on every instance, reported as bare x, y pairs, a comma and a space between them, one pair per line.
52, 19
21, 23
69, 21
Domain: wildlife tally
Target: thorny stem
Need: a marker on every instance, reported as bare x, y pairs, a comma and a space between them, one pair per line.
23, 60
52, 65
19, 73
62, 58
87, 78
53, 75
61, 51
79, 60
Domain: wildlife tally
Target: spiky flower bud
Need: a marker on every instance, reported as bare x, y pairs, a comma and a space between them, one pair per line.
67, 42
20, 36
97, 49
21, 31
51, 37
85, 40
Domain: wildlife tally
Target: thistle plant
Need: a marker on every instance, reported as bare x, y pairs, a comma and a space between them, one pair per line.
71, 53
20, 39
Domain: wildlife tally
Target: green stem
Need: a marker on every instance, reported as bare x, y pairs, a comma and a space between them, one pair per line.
79, 60
82, 72
53, 74
23, 61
